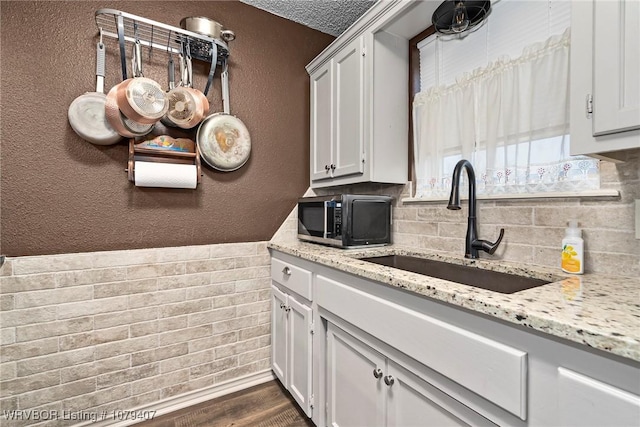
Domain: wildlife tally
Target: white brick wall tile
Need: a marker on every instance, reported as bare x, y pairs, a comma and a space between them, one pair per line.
89, 277
87, 308
28, 316
159, 382
56, 393
28, 283
125, 317
232, 250
184, 281
8, 371
156, 298
213, 290
92, 338
53, 329
191, 359
112, 379
213, 341
212, 316
160, 353
29, 349
53, 296
93, 369
96, 399
129, 287
50, 362
126, 328
7, 336
51, 263
213, 367
29, 383
129, 346
182, 335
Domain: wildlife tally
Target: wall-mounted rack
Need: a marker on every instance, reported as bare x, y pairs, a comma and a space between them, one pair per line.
158, 35
127, 27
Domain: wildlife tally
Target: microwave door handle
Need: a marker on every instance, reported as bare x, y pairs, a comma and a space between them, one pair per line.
324, 223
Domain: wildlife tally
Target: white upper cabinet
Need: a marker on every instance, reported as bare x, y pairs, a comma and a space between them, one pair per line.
605, 87
337, 122
360, 99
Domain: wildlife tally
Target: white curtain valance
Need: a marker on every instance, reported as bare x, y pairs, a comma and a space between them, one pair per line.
510, 119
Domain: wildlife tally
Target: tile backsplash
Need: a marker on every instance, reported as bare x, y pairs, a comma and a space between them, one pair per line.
103, 331
534, 228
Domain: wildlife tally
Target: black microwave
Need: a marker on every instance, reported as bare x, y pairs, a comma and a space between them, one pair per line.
346, 220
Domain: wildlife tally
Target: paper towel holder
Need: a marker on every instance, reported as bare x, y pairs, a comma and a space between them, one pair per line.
163, 149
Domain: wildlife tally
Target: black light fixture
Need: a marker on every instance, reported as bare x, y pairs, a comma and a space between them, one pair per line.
458, 16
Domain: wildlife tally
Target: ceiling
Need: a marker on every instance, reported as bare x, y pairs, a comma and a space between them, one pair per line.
329, 16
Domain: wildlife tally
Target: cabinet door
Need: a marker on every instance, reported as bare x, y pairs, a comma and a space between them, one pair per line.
583, 401
279, 332
349, 104
355, 397
412, 402
300, 360
616, 66
321, 122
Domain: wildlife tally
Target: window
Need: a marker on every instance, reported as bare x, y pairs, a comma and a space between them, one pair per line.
499, 97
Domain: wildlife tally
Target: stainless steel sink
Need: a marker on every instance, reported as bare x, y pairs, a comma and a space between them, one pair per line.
486, 279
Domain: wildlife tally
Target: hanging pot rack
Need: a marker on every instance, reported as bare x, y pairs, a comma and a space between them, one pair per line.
128, 27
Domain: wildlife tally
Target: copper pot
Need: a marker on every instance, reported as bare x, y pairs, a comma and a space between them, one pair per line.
121, 124
141, 99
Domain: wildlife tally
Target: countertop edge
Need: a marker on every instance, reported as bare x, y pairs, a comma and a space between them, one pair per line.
512, 308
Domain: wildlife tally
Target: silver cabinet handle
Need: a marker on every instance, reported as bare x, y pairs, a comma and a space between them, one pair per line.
377, 373
333, 167
388, 380
326, 168
282, 305
286, 271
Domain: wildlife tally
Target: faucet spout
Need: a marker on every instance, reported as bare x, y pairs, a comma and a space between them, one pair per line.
472, 243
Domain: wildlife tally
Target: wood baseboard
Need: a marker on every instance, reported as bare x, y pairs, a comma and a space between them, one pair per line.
166, 406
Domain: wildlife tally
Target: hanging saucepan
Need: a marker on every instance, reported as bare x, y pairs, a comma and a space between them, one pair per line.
207, 27
223, 140
141, 99
186, 105
122, 125
87, 112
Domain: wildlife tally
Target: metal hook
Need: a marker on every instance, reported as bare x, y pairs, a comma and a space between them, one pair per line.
101, 44
151, 45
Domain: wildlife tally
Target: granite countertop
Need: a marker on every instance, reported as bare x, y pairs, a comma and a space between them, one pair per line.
599, 311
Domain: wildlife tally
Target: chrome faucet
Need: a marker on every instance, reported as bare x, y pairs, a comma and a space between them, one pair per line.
472, 243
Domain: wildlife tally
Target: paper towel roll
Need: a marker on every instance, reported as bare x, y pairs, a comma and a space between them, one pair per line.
170, 175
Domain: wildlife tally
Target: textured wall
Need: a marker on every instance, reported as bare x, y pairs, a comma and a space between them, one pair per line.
60, 194
97, 332
534, 228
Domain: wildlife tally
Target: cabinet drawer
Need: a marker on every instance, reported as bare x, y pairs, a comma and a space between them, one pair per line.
489, 368
294, 278
585, 401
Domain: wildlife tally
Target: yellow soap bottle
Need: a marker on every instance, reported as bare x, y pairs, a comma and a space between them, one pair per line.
573, 249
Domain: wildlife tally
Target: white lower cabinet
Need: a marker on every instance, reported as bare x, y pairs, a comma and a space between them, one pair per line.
292, 328
367, 388
354, 386
291, 346
381, 356
584, 401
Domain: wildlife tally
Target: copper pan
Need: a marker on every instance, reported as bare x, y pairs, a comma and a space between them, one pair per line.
141, 99
118, 121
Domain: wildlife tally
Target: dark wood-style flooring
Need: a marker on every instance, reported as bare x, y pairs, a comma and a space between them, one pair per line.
265, 405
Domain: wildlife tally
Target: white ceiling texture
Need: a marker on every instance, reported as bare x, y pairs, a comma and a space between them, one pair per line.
329, 16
